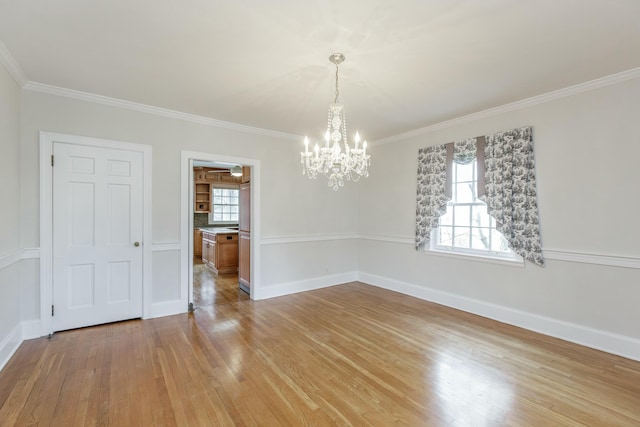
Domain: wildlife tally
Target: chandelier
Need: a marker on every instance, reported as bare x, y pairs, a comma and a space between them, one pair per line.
332, 160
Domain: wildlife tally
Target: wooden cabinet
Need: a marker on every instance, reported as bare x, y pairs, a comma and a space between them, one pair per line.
246, 174
202, 197
244, 250
220, 252
211, 175
208, 248
244, 217
197, 243
244, 262
226, 253
211, 254
199, 174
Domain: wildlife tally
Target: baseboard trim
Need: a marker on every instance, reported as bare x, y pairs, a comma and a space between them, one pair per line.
166, 308
10, 344
601, 340
306, 285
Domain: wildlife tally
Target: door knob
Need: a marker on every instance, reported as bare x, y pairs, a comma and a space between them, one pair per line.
136, 244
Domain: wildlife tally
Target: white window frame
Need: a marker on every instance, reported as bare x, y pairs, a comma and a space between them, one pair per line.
435, 246
218, 186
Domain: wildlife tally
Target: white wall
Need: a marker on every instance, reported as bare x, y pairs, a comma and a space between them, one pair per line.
291, 205
587, 149
9, 214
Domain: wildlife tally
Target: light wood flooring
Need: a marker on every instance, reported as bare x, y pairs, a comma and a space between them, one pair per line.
346, 355
214, 289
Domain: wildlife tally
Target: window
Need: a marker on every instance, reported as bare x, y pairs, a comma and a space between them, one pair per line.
224, 205
466, 227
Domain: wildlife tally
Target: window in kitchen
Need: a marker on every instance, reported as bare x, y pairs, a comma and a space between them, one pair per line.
466, 227
224, 205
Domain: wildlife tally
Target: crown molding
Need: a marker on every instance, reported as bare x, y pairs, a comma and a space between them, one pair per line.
149, 109
12, 66
517, 105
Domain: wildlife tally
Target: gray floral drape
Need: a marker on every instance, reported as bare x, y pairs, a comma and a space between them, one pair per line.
506, 183
510, 191
432, 189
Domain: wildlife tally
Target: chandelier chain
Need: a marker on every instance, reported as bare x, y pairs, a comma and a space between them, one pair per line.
335, 101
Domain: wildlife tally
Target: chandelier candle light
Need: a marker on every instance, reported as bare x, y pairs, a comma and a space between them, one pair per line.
331, 160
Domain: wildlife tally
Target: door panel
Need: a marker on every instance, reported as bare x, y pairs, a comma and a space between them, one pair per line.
97, 218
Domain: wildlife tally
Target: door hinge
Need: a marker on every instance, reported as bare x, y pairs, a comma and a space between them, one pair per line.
52, 310
52, 160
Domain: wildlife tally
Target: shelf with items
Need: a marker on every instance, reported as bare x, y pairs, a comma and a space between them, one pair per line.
202, 197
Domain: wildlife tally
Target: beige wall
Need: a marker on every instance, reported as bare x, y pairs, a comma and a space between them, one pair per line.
587, 148
9, 204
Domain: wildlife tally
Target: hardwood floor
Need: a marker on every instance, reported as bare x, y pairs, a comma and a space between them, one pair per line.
214, 289
345, 355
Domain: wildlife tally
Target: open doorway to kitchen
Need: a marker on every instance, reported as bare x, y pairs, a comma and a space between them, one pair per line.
220, 214
216, 227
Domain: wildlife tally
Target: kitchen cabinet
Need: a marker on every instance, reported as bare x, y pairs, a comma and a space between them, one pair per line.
220, 251
244, 260
199, 174
208, 248
244, 234
213, 175
202, 197
226, 257
197, 243
246, 174
244, 217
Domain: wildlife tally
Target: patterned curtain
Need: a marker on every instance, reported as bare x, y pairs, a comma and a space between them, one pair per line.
506, 183
431, 199
510, 191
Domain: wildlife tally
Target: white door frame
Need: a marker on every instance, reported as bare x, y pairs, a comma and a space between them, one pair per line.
46, 218
186, 219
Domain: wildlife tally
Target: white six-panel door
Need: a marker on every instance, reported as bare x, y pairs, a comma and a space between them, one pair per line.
97, 235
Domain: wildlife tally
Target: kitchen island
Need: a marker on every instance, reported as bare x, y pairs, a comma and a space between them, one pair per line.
220, 249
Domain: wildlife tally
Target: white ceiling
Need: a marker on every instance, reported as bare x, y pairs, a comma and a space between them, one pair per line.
410, 63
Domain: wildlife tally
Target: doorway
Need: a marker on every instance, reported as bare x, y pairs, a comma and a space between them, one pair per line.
204, 281
217, 226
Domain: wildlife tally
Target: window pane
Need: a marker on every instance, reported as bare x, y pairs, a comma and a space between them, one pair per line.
480, 217
465, 172
462, 215
464, 192
498, 242
447, 218
446, 236
461, 237
480, 238
225, 205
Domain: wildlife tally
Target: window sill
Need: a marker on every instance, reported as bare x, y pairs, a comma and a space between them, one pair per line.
517, 262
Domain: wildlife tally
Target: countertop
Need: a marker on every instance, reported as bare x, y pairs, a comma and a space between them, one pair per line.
218, 230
